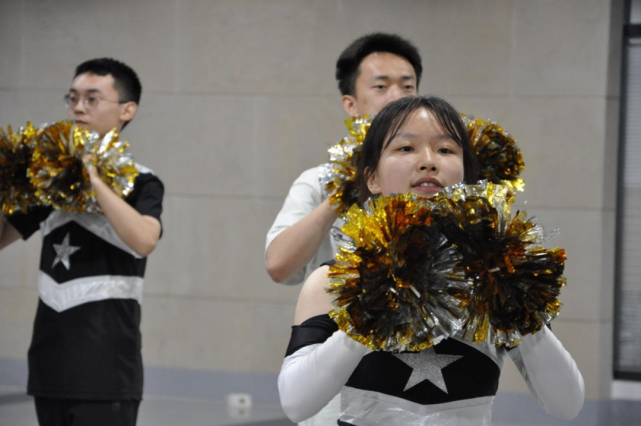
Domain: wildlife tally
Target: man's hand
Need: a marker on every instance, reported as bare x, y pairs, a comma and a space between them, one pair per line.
92, 171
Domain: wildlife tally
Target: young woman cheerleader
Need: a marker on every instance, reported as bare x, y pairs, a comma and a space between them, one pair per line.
415, 145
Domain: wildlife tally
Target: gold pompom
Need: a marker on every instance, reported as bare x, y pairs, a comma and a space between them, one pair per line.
337, 176
116, 166
16, 191
498, 155
396, 284
417, 270
516, 280
59, 174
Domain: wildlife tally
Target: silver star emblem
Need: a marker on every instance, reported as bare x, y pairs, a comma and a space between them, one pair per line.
63, 251
427, 365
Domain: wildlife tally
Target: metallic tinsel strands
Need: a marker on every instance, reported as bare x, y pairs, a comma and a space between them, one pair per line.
396, 285
59, 174
57, 170
115, 163
418, 270
498, 155
16, 190
337, 177
516, 280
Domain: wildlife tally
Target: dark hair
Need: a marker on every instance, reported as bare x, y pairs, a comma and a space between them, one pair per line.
348, 64
389, 121
126, 80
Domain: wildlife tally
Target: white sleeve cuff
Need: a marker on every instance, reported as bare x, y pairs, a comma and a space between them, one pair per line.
550, 373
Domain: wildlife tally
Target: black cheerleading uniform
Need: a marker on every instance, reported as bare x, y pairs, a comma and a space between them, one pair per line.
450, 384
86, 342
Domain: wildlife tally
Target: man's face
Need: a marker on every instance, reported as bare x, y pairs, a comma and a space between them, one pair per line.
94, 103
384, 77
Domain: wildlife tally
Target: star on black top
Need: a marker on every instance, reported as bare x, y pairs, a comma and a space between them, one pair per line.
427, 365
63, 251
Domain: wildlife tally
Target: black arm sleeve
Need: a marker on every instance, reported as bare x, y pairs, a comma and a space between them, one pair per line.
28, 223
314, 330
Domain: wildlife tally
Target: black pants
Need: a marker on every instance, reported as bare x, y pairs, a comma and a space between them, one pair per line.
73, 412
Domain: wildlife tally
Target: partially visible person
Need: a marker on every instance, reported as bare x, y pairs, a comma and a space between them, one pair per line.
414, 145
372, 71
85, 361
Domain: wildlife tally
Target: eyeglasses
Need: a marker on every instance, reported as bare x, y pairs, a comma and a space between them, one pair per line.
89, 102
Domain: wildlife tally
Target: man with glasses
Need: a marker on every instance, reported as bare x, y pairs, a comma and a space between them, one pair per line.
85, 363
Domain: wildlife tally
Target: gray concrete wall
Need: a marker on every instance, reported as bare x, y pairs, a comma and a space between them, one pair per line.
239, 98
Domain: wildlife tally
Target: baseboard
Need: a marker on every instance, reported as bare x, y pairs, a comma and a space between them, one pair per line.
521, 409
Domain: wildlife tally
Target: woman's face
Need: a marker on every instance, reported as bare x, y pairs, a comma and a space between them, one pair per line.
422, 158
